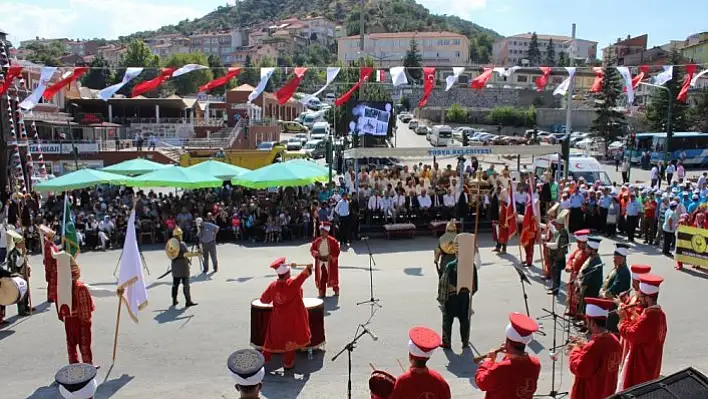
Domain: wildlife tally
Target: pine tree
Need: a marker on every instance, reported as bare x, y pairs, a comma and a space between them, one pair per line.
550, 54
563, 60
99, 76
414, 61
700, 122
534, 53
609, 122
249, 75
658, 107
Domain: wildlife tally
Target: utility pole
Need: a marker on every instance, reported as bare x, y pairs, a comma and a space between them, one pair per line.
361, 28
568, 110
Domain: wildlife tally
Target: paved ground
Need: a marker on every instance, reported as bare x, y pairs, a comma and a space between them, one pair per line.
182, 353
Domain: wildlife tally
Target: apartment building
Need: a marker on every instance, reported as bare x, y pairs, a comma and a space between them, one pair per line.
389, 49
513, 50
255, 52
696, 48
112, 53
82, 47
614, 54
217, 43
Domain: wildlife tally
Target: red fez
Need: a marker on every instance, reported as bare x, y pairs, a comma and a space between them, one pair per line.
423, 341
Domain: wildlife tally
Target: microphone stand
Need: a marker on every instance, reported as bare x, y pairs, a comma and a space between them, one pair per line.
373, 301
349, 348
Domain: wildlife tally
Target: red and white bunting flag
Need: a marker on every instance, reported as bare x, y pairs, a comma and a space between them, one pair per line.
452, 79
428, 85
364, 75
218, 82
287, 91
398, 76
643, 71
480, 81
562, 88
44, 78
66, 80
332, 73
150, 85
13, 72
694, 81
187, 69
599, 77
683, 94
266, 73
627, 77
130, 74
380, 76
542, 80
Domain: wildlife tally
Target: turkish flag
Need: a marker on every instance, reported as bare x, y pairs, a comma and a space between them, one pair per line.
428, 85
364, 74
287, 91
643, 70
480, 81
218, 82
150, 85
13, 72
542, 80
597, 83
683, 94
62, 83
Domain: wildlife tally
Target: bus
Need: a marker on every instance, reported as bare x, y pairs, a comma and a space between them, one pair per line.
691, 147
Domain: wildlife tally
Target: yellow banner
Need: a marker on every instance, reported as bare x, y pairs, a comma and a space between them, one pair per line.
692, 246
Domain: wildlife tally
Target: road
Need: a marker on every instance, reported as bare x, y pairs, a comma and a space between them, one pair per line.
408, 138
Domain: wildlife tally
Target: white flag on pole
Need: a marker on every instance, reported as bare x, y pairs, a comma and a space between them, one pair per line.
332, 73
187, 69
562, 88
266, 73
627, 76
665, 76
398, 76
130, 275
44, 78
694, 81
108, 92
506, 72
452, 79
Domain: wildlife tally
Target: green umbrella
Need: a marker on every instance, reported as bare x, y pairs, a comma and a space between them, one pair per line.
285, 174
305, 162
218, 169
175, 177
80, 179
135, 167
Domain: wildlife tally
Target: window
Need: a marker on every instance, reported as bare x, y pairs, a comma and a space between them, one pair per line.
207, 50
522, 78
556, 80
457, 42
457, 54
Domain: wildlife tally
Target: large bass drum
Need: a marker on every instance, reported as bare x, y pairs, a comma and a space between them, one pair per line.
260, 320
12, 290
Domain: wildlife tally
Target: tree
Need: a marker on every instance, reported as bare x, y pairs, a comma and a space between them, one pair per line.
481, 44
413, 61
249, 75
700, 122
46, 53
138, 54
190, 82
609, 122
550, 54
99, 76
534, 52
658, 106
563, 60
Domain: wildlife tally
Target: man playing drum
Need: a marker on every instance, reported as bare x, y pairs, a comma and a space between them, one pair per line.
289, 328
325, 250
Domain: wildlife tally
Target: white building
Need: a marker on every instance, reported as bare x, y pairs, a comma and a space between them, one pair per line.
511, 50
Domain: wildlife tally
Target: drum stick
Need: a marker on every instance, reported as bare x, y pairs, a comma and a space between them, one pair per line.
373, 368
403, 369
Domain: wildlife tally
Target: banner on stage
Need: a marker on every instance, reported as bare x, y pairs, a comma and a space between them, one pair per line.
441, 152
691, 246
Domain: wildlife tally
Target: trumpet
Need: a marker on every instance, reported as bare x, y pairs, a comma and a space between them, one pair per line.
573, 342
491, 353
623, 308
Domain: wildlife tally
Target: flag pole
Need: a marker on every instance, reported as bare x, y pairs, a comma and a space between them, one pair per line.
115, 338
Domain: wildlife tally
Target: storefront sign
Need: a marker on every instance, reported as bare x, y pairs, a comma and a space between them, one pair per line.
46, 148
89, 119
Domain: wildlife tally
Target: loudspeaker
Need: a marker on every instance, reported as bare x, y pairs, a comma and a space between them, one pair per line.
686, 384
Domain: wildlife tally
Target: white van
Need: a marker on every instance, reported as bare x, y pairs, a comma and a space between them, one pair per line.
310, 119
320, 129
586, 167
441, 136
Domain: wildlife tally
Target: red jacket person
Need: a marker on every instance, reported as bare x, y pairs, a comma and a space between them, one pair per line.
420, 381
325, 249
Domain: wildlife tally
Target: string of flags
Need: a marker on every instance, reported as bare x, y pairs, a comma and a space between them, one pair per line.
398, 77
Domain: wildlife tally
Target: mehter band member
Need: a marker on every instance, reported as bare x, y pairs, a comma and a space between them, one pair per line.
456, 303
575, 261
629, 301
595, 363
50, 264
617, 282
325, 249
77, 320
77, 381
589, 280
289, 327
180, 271
516, 375
247, 367
645, 334
19, 266
420, 381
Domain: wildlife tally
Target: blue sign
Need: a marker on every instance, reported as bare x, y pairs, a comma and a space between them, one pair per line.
442, 152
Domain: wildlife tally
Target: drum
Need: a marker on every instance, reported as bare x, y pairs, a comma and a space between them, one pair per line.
12, 290
260, 319
381, 384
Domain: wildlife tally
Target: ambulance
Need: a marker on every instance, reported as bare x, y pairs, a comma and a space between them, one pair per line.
580, 166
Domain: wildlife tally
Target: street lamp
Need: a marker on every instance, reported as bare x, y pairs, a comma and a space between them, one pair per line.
669, 128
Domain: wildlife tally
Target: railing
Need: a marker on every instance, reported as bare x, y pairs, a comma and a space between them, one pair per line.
235, 132
210, 122
49, 116
124, 121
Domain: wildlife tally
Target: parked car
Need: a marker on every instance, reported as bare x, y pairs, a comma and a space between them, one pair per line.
292, 127
460, 132
294, 144
267, 145
405, 117
412, 124
302, 137
315, 148
422, 130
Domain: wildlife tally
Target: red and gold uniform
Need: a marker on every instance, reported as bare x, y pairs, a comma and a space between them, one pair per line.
50, 264
77, 322
645, 335
421, 382
325, 249
289, 328
516, 375
575, 262
595, 363
506, 226
529, 233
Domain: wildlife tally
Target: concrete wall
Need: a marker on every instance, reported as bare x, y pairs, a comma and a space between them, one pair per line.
486, 98
581, 118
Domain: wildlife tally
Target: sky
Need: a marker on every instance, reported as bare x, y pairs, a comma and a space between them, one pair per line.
603, 21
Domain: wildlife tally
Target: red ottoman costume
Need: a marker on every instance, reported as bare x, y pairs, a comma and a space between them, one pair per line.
50, 264
325, 249
575, 261
420, 381
77, 320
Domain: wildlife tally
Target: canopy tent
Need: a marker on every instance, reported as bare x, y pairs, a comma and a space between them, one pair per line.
175, 177
135, 167
284, 174
82, 178
223, 171
311, 164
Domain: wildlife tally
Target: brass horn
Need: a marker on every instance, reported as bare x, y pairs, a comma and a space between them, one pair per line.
172, 248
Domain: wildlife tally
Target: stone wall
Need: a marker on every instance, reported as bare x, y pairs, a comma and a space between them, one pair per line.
486, 98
